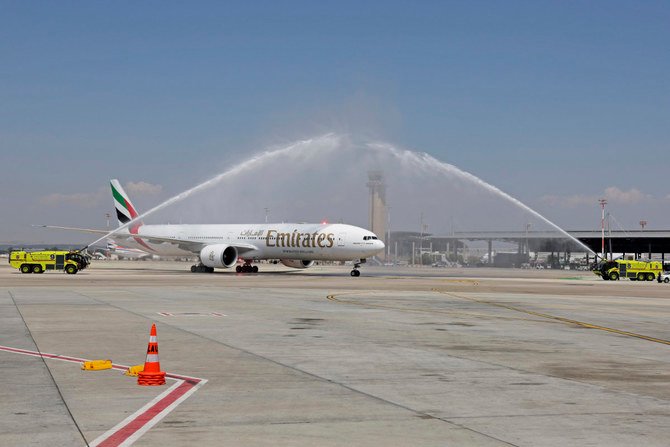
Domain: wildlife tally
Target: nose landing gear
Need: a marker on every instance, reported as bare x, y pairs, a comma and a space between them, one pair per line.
355, 272
201, 269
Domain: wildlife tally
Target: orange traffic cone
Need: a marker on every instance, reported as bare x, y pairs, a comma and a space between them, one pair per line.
152, 374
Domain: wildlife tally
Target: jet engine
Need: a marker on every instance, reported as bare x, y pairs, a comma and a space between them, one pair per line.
297, 263
219, 255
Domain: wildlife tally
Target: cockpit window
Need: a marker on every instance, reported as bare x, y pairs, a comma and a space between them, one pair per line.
369, 238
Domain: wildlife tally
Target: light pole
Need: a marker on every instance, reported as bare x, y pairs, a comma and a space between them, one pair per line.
602, 202
107, 215
266, 214
388, 234
421, 235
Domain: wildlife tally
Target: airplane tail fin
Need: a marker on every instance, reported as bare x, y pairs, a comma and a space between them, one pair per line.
125, 211
111, 245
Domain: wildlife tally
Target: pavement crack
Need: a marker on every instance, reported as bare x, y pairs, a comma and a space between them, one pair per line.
53, 380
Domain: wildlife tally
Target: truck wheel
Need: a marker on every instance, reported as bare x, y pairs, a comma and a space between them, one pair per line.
650, 276
666, 280
614, 276
70, 269
26, 268
37, 268
641, 277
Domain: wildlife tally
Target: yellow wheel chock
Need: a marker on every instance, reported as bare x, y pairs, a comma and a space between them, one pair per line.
96, 365
133, 371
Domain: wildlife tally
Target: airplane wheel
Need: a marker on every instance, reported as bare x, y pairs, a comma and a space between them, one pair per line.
210, 270
193, 269
255, 269
238, 269
355, 273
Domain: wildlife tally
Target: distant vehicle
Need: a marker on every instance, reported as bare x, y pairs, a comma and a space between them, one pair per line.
664, 277
633, 270
41, 261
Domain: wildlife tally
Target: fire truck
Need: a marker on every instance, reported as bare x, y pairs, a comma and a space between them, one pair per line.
633, 270
40, 261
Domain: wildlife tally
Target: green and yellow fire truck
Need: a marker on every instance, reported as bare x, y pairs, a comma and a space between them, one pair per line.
41, 261
633, 270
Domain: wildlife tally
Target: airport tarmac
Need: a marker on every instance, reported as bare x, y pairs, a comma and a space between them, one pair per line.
396, 357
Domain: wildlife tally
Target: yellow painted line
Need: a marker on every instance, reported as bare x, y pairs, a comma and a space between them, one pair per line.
474, 282
333, 298
554, 317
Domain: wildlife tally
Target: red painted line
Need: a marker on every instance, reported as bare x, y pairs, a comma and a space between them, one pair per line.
136, 424
42, 354
81, 360
141, 420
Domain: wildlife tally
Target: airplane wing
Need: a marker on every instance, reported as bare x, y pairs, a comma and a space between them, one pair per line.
184, 244
82, 230
188, 245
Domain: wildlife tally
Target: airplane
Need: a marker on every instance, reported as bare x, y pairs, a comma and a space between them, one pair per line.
296, 245
126, 252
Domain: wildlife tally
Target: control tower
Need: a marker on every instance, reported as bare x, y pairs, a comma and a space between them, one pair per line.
378, 212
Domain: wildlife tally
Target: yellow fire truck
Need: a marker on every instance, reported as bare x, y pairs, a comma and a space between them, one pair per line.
633, 270
41, 261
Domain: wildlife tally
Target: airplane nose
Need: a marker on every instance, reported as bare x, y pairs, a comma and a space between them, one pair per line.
381, 244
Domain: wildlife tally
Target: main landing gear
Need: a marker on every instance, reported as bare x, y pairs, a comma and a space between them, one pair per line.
247, 268
201, 269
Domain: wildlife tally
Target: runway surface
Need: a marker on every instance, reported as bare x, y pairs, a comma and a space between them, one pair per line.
396, 357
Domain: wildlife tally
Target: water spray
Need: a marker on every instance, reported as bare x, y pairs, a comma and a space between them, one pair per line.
427, 161
329, 142
253, 161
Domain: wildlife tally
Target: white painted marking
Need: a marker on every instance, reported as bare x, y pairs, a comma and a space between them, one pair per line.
133, 435
191, 314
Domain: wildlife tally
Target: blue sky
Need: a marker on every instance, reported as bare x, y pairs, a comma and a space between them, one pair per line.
557, 103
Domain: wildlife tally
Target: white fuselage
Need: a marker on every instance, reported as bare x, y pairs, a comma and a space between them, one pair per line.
313, 242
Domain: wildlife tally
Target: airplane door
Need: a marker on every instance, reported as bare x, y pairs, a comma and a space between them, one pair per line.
341, 237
